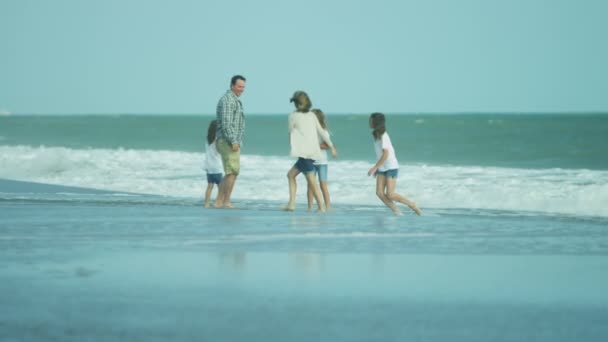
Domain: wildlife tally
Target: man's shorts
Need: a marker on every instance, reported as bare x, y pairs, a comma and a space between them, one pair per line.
230, 159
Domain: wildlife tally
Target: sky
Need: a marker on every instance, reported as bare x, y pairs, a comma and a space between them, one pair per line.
401, 56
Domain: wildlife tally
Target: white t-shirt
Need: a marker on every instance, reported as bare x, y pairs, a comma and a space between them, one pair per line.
305, 132
384, 143
213, 159
323, 159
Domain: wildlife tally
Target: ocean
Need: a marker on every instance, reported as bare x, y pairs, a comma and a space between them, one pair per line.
519, 163
103, 236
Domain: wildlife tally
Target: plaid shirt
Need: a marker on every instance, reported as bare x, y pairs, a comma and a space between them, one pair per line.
230, 119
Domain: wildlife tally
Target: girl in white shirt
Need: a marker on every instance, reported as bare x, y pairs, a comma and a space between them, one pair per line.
304, 133
213, 164
321, 165
386, 168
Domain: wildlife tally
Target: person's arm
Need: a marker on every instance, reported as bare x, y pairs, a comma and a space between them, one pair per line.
240, 127
290, 127
227, 116
325, 135
380, 161
291, 122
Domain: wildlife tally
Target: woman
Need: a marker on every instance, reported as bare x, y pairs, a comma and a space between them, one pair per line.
304, 133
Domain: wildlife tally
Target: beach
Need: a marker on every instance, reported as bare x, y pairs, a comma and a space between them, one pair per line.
85, 269
486, 122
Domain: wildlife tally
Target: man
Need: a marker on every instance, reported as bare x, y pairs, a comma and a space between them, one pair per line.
230, 130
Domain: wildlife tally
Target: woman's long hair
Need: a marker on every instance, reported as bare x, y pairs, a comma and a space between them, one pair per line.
321, 117
378, 123
211, 131
302, 102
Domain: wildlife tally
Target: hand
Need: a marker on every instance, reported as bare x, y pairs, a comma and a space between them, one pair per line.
235, 147
372, 171
334, 153
324, 146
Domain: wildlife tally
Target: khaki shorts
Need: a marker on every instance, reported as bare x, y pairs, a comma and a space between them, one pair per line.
231, 159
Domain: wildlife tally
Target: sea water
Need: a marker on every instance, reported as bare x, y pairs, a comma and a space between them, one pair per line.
523, 163
103, 236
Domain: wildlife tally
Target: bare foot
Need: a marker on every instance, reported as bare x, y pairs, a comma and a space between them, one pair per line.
416, 210
288, 208
229, 206
206, 205
217, 205
397, 212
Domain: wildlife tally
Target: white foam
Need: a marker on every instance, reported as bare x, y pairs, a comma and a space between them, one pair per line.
179, 174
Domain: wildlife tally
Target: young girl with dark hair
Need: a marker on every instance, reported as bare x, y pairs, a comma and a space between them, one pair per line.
386, 168
213, 164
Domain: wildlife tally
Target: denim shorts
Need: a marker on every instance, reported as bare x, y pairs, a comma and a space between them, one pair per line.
321, 170
215, 178
392, 173
305, 165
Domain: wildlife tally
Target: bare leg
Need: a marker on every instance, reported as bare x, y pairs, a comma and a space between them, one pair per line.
219, 200
325, 192
229, 181
225, 190
392, 195
312, 184
380, 192
220, 192
309, 197
293, 187
208, 194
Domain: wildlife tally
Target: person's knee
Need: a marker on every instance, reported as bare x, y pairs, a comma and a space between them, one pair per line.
380, 194
230, 175
391, 195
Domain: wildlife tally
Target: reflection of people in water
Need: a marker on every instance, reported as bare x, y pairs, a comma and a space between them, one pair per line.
309, 263
238, 260
377, 263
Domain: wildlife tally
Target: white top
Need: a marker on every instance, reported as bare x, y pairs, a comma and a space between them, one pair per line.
213, 159
323, 159
385, 144
306, 135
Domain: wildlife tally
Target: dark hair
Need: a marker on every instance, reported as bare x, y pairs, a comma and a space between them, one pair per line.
321, 117
211, 131
378, 123
302, 102
236, 78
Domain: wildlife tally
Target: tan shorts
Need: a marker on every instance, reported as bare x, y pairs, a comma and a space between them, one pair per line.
231, 159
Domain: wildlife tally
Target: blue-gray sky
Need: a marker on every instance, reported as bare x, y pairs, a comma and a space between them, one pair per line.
177, 56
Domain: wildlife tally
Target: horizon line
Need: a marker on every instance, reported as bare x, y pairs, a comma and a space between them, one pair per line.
335, 113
